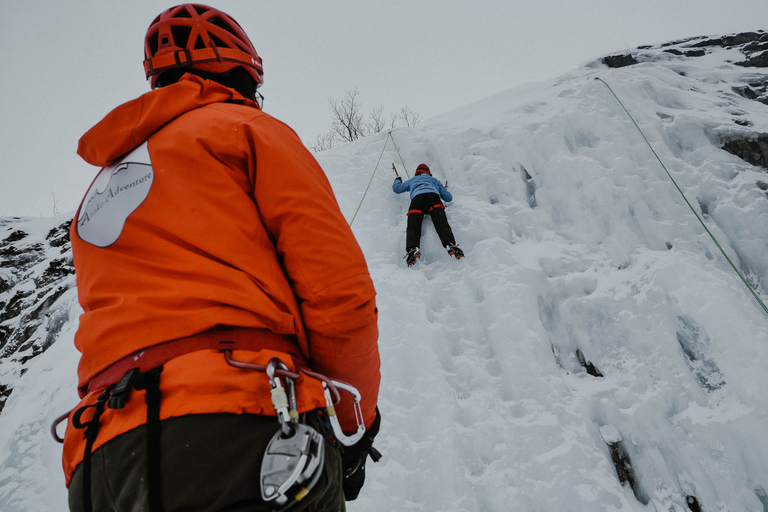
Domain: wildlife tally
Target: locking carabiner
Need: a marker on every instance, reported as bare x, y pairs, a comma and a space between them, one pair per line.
285, 407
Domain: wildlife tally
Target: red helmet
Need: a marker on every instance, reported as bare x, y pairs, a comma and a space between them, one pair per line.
423, 168
200, 37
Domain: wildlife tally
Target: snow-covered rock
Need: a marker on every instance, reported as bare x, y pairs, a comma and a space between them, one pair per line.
36, 291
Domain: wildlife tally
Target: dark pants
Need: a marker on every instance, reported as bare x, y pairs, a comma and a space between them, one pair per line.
431, 205
209, 462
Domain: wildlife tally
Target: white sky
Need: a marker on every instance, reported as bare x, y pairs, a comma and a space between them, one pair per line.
65, 64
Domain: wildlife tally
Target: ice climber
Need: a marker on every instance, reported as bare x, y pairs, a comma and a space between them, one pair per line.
426, 194
215, 271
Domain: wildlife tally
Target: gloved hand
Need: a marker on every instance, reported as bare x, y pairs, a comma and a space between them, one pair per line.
399, 179
353, 460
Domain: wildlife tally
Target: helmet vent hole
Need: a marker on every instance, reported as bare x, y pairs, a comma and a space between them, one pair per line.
181, 36
152, 42
200, 9
222, 24
199, 44
183, 13
218, 42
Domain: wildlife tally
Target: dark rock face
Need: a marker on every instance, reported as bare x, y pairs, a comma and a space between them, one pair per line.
759, 60
732, 40
753, 150
687, 53
36, 291
619, 61
754, 45
750, 147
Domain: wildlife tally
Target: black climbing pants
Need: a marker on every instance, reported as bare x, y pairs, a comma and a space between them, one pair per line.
431, 205
210, 462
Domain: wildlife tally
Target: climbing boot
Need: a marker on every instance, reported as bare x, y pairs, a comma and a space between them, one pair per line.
412, 256
454, 251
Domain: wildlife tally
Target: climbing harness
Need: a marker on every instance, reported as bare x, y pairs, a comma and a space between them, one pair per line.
91, 431
115, 396
389, 136
220, 339
741, 276
293, 461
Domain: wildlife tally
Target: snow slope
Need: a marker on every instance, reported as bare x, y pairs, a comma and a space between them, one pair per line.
594, 351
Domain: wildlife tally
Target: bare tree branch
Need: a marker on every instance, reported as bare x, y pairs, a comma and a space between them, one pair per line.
409, 117
377, 123
349, 122
323, 142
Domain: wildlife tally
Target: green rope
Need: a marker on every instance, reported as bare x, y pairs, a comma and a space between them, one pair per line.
371, 180
398, 154
374, 172
749, 287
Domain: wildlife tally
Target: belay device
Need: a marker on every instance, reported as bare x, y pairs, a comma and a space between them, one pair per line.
293, 461
292, 465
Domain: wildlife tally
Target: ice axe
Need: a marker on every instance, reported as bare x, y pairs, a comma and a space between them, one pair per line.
395, 169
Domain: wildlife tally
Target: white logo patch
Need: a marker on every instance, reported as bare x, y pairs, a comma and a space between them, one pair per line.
115, 193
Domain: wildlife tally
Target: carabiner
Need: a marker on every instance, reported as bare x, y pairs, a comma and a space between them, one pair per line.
340, 435
279, 397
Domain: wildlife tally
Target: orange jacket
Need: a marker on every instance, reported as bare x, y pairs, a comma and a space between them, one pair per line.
208, 213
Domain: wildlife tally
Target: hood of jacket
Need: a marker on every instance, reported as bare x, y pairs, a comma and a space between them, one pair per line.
130, 124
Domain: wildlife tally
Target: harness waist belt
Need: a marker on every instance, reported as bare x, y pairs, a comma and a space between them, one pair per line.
214, 339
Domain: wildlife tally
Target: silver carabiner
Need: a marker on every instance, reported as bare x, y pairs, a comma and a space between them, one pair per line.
340, 435
334, 386
279, 397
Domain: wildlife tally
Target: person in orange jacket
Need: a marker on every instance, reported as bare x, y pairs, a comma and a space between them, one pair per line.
210, 247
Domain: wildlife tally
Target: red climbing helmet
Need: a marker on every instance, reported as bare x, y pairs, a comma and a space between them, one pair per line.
423, 168
199, 37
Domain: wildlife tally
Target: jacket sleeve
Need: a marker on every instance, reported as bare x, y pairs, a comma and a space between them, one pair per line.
444, 194
399, 186
322, 260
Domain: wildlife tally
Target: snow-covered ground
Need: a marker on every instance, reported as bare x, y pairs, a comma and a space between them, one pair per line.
594, 351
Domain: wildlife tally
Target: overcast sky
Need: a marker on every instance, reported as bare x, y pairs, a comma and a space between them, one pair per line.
65, 64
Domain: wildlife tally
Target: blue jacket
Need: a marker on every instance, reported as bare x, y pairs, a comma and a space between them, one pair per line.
422, 184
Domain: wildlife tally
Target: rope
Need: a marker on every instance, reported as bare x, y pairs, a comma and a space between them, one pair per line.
398, 154
374, 173
741, 276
